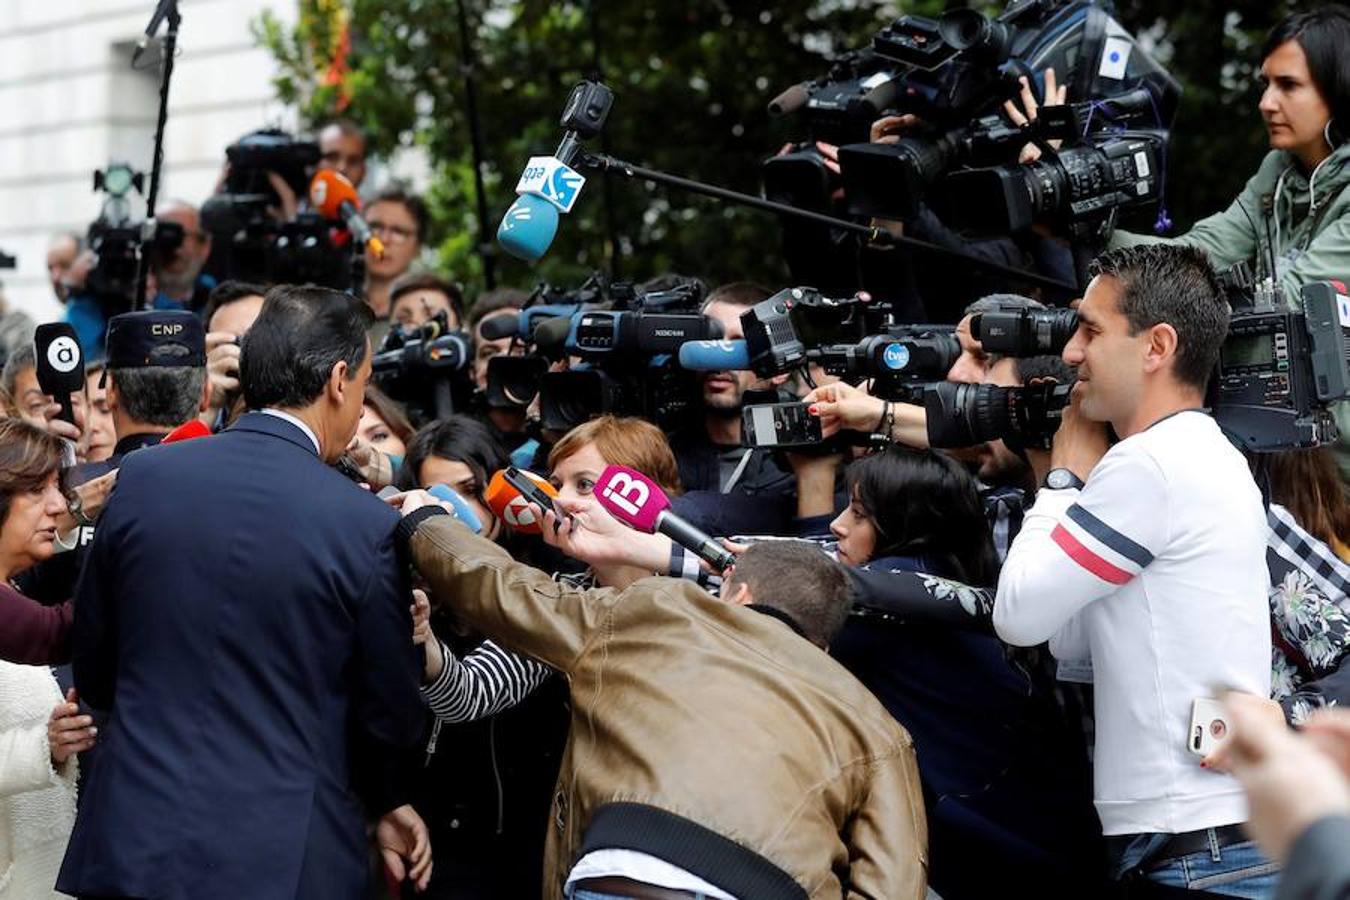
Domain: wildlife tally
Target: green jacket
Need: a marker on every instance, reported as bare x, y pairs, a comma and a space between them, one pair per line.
1239, 234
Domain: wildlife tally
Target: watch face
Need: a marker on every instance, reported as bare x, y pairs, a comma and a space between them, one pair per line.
1059, 479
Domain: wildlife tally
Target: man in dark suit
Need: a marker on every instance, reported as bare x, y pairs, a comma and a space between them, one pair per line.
243, 614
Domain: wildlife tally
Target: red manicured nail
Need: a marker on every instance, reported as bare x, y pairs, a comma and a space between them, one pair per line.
813, 410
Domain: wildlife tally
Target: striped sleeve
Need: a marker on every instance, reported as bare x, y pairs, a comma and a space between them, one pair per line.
1077, 547
486, 681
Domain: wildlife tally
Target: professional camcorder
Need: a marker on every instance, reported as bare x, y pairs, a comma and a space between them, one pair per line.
426, 368
251, 244
963, 415
115, 239
954, 74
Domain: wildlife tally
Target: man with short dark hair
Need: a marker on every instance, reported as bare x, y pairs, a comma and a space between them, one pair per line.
1148, 557
815, 791
230, 313
342, 148
243, 615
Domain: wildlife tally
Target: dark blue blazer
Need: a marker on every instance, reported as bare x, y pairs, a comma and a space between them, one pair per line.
241, 609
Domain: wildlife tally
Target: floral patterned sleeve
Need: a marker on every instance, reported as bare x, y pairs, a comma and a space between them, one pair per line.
920, 597
1310, 611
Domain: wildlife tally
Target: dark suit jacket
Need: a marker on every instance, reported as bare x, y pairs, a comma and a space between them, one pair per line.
241, 606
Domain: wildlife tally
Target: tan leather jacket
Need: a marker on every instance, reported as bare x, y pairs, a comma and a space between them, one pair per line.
714, 712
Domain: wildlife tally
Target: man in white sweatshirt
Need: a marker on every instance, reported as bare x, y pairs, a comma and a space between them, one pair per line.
1148, 558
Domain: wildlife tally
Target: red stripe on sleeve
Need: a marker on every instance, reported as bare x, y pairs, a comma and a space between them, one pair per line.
1087, 559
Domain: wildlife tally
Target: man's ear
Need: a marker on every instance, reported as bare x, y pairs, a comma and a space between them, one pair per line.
204, 402
739, 595
1161, 347
338, 385
113, 396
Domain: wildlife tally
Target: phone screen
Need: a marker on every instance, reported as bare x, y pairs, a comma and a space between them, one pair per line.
780, 425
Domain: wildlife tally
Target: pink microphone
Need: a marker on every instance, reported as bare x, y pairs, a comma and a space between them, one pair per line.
638, 502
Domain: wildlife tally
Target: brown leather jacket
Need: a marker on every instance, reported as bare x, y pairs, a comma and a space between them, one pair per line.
716, 713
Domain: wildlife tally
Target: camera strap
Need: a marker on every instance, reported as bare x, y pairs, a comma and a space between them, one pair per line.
738, 471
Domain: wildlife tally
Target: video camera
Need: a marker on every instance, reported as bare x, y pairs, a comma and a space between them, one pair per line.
249, 243
625, 338
426, 368
1279, 369
954, 73
115, 239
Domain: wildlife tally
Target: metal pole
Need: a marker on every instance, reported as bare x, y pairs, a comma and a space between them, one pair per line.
169, 46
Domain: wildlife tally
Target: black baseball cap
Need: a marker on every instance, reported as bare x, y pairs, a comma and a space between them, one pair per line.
155, 337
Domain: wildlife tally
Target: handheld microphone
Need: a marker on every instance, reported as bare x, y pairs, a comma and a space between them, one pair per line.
511, 506
335, 198
463, 511
60, 364
639, 503
714, 356
188, 431
549, 185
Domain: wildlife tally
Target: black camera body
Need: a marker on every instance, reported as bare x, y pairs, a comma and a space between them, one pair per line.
115, 239
1279, 370
426, 368
963, 415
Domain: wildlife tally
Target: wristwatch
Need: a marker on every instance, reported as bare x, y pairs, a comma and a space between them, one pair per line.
76, 507
1060, 479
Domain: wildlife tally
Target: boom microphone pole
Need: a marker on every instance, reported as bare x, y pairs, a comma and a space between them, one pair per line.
610, 165
164, 10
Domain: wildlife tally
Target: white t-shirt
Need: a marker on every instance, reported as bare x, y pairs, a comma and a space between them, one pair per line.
643, 868
1156, 571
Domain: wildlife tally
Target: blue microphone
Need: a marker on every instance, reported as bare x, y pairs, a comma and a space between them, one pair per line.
714, 356
528, 227
463, 511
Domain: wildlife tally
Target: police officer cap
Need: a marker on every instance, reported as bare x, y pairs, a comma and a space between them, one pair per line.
155, 337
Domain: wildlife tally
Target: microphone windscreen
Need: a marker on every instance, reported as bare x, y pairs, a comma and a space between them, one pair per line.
551, 334
187, 431
510, 506
714, 356
788, 102
328, 190
463, 511
498, 327
631, 497
528, 227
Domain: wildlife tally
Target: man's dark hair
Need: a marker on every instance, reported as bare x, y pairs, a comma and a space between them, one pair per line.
1173, 284
163, 396
429, 281
414, 204
799, 579
228, 292
457, 438
346, 126
737, 293
301, 333
501, 298
1323, 34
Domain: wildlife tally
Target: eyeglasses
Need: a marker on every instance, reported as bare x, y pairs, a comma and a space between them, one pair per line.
394, 234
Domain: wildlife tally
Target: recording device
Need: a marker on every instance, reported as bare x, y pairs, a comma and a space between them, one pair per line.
463, 511
954, 73
532, 492
249, 243
964, 415
639, 503
1019, 331
779, 425
335, 198
1279, 371
549, 186
60, 364
510, 504
115, 239
1209, 728
425, 367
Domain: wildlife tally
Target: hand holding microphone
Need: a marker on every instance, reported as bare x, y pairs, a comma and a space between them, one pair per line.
334, 197
639, 502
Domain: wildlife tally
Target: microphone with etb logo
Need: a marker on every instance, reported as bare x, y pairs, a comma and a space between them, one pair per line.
638, 502
60, 364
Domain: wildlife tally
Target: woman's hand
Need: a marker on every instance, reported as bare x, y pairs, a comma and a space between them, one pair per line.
1055, 95
422, 635
843, 406
93, 496
595, 537
68, 732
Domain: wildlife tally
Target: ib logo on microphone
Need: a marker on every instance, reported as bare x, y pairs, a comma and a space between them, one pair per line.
627, 494
895, 356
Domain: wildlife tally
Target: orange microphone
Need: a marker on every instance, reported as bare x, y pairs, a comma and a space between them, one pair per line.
334, 197
511, 506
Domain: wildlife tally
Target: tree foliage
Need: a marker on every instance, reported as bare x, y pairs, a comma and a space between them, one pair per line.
692, 80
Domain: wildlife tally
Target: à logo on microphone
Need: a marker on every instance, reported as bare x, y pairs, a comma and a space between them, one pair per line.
627, 494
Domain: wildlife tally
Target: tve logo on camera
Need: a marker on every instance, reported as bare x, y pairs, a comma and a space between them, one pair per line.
549, 178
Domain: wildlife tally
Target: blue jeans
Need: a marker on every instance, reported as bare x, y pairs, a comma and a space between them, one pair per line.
1238, 870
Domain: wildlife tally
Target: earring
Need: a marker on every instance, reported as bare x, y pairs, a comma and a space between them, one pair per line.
1326, 134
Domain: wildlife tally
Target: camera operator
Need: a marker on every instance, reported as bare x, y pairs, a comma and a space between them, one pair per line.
342, 148
179, 276
508, 421
230, 313
1150, 559
1295, 209
709, 450
399, 219
68, 264
418, 296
